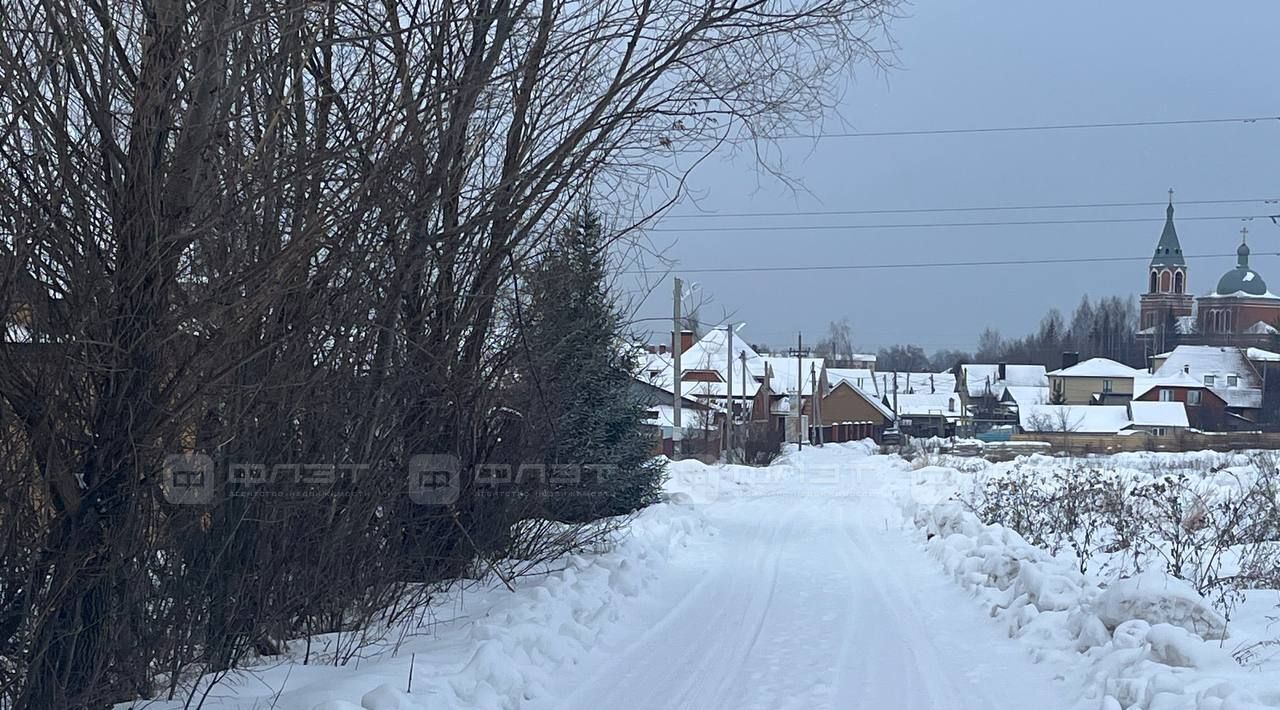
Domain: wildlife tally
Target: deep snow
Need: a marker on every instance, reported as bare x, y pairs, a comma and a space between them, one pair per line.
806, 584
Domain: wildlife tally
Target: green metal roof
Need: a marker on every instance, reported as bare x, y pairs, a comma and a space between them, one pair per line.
1168, 251
1242, 278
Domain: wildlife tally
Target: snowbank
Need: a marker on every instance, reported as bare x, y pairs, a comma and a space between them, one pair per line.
1137, 643
502, 648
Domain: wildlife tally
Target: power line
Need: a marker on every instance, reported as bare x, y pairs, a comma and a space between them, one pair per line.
919, 265
1043, 127
932, 225
990, 208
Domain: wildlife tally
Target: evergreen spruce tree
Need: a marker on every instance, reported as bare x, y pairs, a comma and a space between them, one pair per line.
1058, 393
580, 405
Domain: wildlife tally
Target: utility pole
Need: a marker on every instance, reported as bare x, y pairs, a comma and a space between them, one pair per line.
800, 389
728, 384
799, 410
676, 431
817, 410
895, 400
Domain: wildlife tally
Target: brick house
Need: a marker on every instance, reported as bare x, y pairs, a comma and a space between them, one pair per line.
850, 413
1206, 409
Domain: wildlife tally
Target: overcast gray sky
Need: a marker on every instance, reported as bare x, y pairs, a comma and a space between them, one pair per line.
964, 64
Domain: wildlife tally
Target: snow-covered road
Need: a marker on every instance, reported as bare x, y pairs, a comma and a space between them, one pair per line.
793, 586
808, 597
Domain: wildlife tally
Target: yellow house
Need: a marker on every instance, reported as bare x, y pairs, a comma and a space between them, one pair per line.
1094, 381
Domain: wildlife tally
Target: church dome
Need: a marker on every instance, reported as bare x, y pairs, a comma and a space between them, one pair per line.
1241, 279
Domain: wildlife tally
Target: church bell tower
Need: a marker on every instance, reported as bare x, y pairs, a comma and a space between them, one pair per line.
1166, 298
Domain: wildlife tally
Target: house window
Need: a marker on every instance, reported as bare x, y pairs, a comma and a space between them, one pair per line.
1193, 398
1106, 385
1158, 431
1232, 380
1208, 380
1166, 395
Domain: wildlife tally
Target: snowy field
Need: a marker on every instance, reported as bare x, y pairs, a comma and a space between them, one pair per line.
835, 578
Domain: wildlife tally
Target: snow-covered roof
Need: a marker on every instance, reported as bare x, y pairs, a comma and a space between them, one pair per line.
655, 369
1243, 294
1163, 414
1145, 383
917, 382
784, 372
1098, 367
1027, 395
1220, 362
1260, 355
709, 353
945, 404
1073, 418
856, 376
978, 375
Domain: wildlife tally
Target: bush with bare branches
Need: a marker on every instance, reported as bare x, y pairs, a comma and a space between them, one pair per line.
285, 236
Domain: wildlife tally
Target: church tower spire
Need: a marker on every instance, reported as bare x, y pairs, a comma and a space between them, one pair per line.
1168, 249
1166, 298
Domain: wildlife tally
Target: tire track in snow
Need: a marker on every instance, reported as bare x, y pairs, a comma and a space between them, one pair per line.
707, 619
920, 681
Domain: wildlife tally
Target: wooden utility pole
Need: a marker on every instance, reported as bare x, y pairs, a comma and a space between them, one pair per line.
676, 431
727, 444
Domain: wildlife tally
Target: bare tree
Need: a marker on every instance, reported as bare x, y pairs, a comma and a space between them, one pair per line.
838, 342
289, 233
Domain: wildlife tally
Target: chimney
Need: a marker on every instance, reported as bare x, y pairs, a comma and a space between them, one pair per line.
1186, 369
686, 340
662, 348
1003, 368
1070, 360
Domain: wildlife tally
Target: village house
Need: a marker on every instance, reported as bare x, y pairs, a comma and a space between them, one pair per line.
785, 391
1015, 397
850, 413
1095, 381
926, 415
1161, 420
1226, 371
1074, 419
1206, 410
854, 361
982, 390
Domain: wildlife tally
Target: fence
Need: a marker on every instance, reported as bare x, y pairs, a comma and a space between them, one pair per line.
846, 431
1179, 441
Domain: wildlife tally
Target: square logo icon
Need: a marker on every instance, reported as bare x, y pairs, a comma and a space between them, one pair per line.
188, 479
434, 479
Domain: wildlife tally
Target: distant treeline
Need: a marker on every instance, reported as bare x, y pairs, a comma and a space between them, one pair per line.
1103, 328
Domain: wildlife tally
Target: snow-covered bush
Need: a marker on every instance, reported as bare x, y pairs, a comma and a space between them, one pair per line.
1146, 642
1209, 520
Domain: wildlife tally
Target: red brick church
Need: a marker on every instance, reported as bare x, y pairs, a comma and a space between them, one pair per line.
1240, 311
